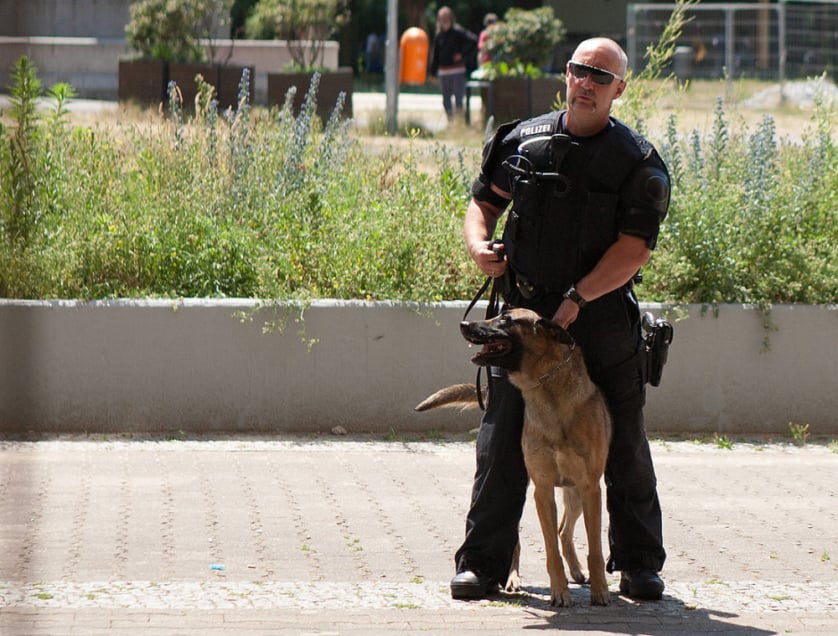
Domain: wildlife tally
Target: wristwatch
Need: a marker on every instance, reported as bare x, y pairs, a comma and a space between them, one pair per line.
573, 295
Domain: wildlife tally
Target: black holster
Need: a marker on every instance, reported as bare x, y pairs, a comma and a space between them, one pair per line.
657, 336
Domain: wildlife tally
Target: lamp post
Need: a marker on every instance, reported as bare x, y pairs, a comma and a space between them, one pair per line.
391, 70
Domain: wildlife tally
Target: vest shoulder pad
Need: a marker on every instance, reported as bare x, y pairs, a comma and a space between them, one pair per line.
491, 148
624, 153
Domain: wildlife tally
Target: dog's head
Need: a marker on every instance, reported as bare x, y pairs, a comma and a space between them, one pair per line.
514, 338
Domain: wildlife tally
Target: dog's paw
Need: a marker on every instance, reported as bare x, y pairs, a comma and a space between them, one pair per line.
600, 597
513, 583
577, 575
560, 598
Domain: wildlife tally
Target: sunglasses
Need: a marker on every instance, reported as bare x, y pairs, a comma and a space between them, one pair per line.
598, 75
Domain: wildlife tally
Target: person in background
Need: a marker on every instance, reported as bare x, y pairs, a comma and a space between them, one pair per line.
482, 54
453, 56
374, 54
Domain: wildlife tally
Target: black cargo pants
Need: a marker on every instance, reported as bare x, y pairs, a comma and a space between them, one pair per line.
608, 330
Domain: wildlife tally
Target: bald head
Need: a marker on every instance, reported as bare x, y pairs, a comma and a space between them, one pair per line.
445, 18
606, 51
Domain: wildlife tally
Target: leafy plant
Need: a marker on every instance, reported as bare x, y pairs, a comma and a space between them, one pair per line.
799, 433
723, 441
522, 44
20, 156
29, 156
305, 24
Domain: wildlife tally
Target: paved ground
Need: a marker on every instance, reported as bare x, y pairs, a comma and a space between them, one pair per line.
354, 536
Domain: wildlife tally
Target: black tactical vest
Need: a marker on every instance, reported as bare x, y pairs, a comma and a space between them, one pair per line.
565, 196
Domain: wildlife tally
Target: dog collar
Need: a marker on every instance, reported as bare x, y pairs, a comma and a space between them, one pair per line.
554, 370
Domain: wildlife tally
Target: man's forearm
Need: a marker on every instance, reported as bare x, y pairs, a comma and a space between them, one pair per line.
479, 226
616, 267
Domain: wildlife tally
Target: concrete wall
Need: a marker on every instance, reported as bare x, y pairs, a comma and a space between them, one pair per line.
65, 18
91, 65
160, 366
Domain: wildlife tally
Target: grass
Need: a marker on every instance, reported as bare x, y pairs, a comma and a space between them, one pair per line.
723, 441
751, 442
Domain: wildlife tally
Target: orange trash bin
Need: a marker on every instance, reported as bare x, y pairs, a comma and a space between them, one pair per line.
413, 56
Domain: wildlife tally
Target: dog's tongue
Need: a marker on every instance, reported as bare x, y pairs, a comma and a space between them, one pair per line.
486, 350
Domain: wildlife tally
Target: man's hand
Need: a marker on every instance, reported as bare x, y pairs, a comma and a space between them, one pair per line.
480, 222
490, 258
566, 314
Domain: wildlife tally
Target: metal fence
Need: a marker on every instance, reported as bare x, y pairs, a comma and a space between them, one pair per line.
781, 40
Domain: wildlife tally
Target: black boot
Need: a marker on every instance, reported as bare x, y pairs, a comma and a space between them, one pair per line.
468, 585
643, 584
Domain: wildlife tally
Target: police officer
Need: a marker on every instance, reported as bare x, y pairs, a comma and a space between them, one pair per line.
588, 195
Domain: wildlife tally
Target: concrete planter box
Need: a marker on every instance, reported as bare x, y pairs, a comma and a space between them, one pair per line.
225, 79
143, 81
194, 366
332, 84
147, 81
91, 64
509, 98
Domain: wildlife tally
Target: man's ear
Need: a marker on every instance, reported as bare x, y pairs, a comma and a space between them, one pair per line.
620, 89
564, 336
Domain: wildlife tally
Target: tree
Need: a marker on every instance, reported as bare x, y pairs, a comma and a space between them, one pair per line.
305, 24
171, 30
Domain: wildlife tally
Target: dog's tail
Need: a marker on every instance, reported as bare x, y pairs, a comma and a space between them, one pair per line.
463, 396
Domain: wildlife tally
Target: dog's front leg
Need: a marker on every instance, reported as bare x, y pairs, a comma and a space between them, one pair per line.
545, 504
592, 513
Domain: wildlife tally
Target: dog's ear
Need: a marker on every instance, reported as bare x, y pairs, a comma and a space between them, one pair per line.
560, 333
565, 337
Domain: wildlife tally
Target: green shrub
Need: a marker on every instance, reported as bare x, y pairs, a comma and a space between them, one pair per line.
256, 203
752, 220
171, 30
523, 42
304, 24
234, 204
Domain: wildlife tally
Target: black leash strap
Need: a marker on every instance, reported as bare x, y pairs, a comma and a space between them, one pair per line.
492, 310
477, 296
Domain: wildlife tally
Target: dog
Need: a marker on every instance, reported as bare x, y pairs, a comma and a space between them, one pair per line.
567, 430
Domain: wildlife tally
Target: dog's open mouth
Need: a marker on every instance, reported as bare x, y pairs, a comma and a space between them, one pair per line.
490, 351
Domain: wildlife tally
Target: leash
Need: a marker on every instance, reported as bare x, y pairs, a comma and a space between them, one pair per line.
479, 294
492, 310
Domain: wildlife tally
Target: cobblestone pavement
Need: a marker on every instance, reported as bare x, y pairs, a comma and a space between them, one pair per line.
356, 536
